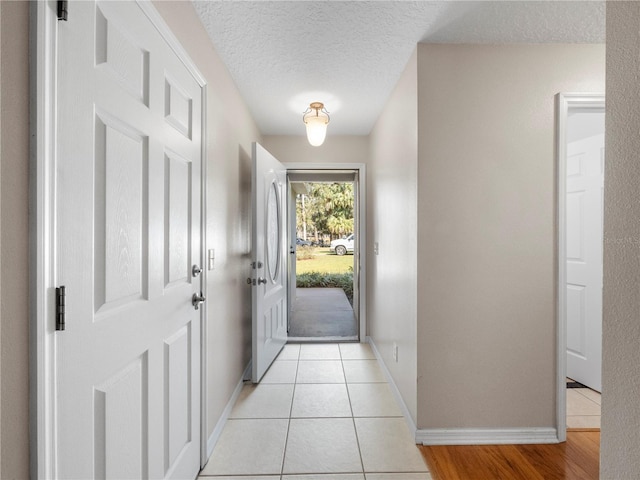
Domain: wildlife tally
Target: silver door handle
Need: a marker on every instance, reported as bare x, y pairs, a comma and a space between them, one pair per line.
196, 270
196, 300
262, 280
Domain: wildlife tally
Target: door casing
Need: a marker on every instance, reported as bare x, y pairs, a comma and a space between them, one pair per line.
564, 102
43, 33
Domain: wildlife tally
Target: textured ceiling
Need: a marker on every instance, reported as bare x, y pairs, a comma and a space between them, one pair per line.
283, 55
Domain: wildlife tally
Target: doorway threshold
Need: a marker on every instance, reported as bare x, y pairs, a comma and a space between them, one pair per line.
349, 339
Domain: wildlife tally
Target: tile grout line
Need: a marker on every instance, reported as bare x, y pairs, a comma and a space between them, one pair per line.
591, 402
293, 395
353, 420
583, 395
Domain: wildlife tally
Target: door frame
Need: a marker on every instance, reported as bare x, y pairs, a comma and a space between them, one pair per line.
42, 369
291, 249
564, 102
361, 220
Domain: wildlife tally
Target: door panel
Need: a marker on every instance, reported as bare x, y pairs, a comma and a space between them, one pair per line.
178, 219
120, 202
127, 232
177, 402
269, 257
585, 177
119, 419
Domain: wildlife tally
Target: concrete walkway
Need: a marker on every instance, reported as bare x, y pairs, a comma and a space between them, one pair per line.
322, 313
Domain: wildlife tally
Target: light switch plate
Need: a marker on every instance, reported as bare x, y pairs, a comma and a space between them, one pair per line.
211, 258
376, 248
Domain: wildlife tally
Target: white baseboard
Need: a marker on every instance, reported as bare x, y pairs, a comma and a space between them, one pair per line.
394, 389
485, 436
465, 436
222, 421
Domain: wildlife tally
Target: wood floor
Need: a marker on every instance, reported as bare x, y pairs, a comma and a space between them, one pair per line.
578, 458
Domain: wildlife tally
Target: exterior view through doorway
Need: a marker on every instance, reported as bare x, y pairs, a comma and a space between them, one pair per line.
324, 255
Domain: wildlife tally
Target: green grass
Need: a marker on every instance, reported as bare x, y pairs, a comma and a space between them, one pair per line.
325, 262
318, 267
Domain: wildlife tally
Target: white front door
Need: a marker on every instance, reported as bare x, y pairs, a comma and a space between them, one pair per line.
269, 260
127, 227
584, 207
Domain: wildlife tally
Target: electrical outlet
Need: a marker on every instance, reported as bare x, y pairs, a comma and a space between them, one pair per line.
395, 352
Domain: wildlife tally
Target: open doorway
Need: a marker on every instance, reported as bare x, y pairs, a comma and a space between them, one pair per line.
581, 158
324, 256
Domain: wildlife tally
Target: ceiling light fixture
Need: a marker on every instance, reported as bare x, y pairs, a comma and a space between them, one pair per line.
316, 118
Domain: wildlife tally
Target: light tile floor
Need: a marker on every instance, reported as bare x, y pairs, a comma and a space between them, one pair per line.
583, 408
322, 412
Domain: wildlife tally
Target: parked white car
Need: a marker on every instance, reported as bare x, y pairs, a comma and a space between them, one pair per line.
343, 245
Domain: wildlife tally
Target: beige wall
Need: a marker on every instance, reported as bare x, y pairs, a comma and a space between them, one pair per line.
335, 149
392, 274
486, 229
14, 240
621, 326
230, 131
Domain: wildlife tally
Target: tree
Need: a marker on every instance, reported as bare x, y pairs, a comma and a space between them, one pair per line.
327, 209
339, 225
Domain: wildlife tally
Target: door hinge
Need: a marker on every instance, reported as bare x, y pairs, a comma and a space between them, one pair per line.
63, 10
60, 313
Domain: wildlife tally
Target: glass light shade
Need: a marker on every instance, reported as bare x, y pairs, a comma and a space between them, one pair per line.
316, 129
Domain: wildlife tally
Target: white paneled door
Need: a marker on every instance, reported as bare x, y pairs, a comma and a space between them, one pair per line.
269, 260
128, 200
585, 181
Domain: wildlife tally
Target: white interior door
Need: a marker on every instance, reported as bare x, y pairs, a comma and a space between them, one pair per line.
127, 235
584, 210
269, 260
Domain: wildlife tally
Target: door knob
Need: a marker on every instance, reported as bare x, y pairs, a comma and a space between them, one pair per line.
196, 270
196, 300
262, 280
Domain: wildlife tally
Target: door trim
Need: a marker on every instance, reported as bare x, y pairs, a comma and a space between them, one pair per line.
43, 28
43, 34
564, 101
360, 168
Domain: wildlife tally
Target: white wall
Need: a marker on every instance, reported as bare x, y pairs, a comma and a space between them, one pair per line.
392, 222
487, 229
620, 440
230, 131
335, 149
14, 240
